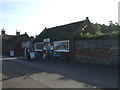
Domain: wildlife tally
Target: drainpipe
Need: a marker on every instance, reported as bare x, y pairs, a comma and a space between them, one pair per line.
73, 47
25, 52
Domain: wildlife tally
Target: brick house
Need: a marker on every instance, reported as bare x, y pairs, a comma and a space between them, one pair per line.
13, 42
61, 39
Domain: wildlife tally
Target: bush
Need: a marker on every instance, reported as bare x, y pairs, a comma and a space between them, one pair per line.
113, 35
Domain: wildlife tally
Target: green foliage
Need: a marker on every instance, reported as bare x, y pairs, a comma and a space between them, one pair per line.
36, 36
96, 27
109, 29
113, 35
31, 36
102, 32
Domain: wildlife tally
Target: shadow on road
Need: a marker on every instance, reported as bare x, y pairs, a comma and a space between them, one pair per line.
95, 75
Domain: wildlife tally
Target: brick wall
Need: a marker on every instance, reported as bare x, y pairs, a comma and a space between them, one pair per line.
96, 51
15, 46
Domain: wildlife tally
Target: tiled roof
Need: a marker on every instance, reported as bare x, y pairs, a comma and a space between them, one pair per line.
5, 36
13, 39
60, 32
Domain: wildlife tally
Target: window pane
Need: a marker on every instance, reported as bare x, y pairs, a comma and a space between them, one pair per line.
61, 45
39, 46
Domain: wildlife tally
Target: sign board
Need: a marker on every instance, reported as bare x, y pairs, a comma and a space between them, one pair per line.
26, 44
11, 53
32, 55
51, 47
44, 47
46, 40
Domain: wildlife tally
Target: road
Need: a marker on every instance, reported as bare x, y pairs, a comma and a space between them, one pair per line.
21, 73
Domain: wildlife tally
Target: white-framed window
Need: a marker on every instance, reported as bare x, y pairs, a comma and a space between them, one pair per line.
39, 46
61, 46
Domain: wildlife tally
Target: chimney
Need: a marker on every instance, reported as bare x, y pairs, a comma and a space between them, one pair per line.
2, 31
87, 18
25, 32
45, 28
17, 33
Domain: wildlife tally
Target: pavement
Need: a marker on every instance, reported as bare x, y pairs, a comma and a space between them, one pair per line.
57, 74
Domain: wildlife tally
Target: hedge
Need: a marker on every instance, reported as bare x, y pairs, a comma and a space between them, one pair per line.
103, 36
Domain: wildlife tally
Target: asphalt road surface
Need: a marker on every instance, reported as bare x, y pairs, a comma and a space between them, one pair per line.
21, 73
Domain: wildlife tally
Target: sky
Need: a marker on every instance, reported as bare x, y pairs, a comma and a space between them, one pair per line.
32, 16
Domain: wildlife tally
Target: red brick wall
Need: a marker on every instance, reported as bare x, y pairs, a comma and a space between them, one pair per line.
96, 53
16, 46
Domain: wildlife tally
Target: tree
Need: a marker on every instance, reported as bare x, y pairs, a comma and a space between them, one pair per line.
104, 28
96, 26
113, 27
32, 37
36, 36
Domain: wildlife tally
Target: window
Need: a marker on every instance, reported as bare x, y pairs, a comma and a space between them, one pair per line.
61, 46
39, 46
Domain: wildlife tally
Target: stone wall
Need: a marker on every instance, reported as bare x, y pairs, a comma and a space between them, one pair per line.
96, 51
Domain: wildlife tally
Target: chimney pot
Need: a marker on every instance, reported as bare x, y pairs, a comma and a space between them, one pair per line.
2, 31
17, 33
87, 18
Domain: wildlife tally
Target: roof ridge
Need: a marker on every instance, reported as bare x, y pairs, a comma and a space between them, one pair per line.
65, 24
